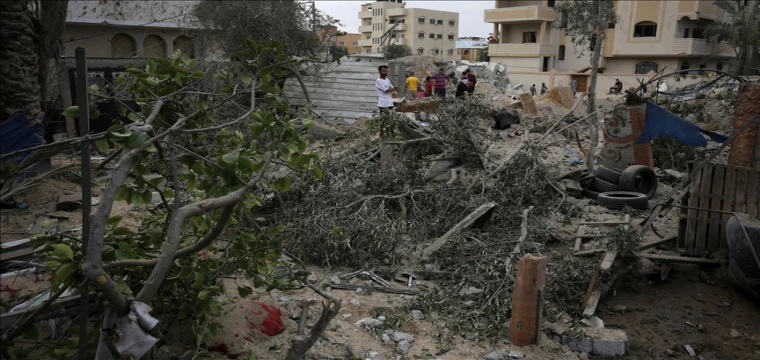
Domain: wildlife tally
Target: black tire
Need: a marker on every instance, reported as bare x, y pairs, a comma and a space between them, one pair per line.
607, 174
640, 179
590, 194
617, 200
603, 186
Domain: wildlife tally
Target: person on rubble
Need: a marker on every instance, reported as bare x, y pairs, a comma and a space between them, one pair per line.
533, 90
463, 90
441, 79
469, 74
412, 84
573, 85
384, 89
544, 89
428, 86
617, 88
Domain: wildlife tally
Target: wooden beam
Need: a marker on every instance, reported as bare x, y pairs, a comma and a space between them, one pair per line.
465, 223
527, 300
376, 288
681, 259
655, 243
593, 301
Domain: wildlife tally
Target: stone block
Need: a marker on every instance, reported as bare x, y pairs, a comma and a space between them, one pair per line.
322, 131
528, 104
562, 95
597, 341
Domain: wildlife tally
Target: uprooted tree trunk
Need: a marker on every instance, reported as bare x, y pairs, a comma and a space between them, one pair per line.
593, 118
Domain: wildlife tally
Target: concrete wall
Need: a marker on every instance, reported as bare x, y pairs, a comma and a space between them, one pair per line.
513, 33
97, 39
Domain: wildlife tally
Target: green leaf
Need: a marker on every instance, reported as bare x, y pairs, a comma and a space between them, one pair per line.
122, 230
71, 111
231, 158
102, 145
123, 287
93, 89
62, 252
282, 184
317, 173
169, 193
258, 282
197, 75
156, 180
246, 164
244, 291
203, 294
114, 220
63, 274
245, 77
124, 193
137, 139
133, 117
308, 122
125, 254
136, 72
151, 66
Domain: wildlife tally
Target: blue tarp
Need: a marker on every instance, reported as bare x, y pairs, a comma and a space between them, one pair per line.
19, 133
662, 123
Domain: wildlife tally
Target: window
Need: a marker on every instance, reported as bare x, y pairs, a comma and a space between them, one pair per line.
123, 46
452, 22
154, 47
421, 35
698, 33
401, 36
435, 51
431, 35
563, 20
467, 52
529, 37
369, 23
719, 66
421, 20
592, 43
393, 36
561, 53
610, 25
686, 33
645, 67
684, 66
451, 36
432, 21
368, 36
369, 51
355, 43
551, 3
440, 22
450, 51
420, 51
341, 43
185, 46
439, 36
645, 29
393, 21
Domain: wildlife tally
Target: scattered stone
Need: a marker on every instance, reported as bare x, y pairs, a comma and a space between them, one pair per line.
354, 302
417, 315
690, 350
386, 338
403, 347
470, 290
496, 355
675, 174
359, 291
601, 342
423, 116
593, 322
369, 323
619, 309
735, 334
335, 280
323, 132
347, 315
401, 336
514, 354
703, 277
284, 298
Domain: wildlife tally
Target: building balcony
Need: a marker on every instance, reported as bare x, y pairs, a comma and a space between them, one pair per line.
365, 14
520, 14
399, 27
365, 28
701, 47
396, 12
397, 41
365, 42
521, 50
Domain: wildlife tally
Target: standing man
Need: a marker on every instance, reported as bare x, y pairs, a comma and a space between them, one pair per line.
463, 90
544, 89
441, 79
412, 85
533, 90
384, 89
573, 86
470, 76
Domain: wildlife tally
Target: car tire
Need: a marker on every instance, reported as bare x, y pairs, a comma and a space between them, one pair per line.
601, 186
617, 200
640, 179
607, 174
590, 194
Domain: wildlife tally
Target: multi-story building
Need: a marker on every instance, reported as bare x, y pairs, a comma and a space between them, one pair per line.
470, 48
648, 36
327, 36
425, 31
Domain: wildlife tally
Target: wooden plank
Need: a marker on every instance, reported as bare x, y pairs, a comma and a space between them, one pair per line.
578, 238
742, 176
609, 258
752, 194
589, 252
8, 255
681, 259
592, 284
406, 291
610, 223
716, 203
593, 301
729, 191
702, 216
690, 239
466, 222
15, 243
655, 243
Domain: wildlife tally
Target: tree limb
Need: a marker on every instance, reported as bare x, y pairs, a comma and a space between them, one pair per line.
301, 344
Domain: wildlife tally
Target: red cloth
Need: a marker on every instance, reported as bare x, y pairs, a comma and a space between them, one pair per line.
266, 318
428, 88
474, 80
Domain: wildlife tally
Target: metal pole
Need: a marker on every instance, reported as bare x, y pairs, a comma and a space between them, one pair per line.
84, 129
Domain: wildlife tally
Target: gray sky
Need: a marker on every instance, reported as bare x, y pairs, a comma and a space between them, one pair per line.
470, 13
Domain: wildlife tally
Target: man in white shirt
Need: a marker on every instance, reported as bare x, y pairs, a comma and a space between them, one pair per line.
384, 89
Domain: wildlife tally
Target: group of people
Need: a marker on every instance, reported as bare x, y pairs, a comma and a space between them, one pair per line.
573, 85
434, 86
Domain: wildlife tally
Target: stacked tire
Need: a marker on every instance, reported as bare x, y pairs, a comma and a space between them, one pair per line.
614, 189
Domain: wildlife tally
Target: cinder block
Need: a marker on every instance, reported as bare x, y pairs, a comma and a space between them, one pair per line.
600, 342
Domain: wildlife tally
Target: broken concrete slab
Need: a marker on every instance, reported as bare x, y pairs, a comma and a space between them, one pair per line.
597, 341
323, 132
562, 95
528, 104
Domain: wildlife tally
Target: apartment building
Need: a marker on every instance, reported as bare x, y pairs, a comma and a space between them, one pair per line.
649, 36
425, 31
327, 35
470, 48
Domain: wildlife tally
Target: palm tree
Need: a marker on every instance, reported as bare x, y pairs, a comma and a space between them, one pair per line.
742, 31
30, 30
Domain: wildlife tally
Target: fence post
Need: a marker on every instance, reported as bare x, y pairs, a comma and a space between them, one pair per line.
527, 300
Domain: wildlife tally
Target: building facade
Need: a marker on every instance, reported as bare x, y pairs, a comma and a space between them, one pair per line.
424, 31
350, 41
471, 48
648, 36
